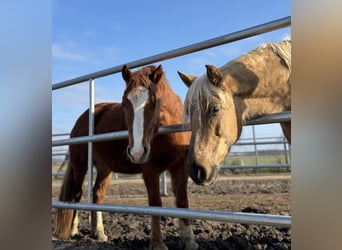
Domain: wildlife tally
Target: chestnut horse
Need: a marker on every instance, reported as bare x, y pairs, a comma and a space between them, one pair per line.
219, 102
147, 103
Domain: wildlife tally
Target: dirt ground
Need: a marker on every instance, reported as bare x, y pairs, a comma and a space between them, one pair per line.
259, 194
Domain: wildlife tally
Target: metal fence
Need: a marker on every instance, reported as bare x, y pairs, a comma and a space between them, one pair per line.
272, 142
277, 146
274, 220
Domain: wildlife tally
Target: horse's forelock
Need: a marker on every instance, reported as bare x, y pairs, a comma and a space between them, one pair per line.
200, 95
141, 79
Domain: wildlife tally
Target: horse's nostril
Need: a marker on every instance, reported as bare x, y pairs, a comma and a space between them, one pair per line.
129, 151
201, 174
145, 152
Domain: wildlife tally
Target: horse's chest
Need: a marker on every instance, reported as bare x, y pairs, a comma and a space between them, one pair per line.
164, 152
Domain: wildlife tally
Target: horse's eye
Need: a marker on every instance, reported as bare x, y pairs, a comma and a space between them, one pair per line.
214, 110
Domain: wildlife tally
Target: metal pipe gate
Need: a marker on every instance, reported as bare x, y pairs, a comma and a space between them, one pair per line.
274, 220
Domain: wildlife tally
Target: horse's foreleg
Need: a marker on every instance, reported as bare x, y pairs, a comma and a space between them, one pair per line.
179, 178
97, 229
156, 242
187, 236
151, 180
102, 182
74, 228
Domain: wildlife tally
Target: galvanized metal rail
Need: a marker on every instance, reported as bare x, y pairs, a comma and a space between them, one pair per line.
235, 36
281, 221
271, 118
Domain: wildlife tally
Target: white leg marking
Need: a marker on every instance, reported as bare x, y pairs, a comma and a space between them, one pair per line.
187, 236
138, 102
97, 226
74, 229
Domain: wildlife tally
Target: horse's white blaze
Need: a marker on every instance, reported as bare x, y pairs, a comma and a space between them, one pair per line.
138, 101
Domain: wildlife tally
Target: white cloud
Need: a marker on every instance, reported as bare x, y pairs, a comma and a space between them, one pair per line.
111, 51
69, 51
72, 97
287, 37
217, 56
67, 105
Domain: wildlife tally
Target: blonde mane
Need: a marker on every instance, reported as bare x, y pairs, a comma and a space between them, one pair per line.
200, 94
282, 49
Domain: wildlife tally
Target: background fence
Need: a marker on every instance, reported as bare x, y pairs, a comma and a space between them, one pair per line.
251, 153
275, 220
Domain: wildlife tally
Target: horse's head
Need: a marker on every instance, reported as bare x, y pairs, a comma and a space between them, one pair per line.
141, 110
214, 123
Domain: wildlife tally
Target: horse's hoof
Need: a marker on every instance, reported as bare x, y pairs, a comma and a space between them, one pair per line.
102, 237
99, 236
190, 245
74, 233
158, 246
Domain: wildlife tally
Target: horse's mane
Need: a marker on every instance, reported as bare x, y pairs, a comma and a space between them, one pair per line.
142, 79
282, 49
200, 94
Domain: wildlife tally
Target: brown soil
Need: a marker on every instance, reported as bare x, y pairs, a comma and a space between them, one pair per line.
269, 195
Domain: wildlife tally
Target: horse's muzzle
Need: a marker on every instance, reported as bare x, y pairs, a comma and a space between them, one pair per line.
202, 175
138, 157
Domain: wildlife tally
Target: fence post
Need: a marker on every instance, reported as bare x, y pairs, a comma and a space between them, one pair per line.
255, 147
90, 144
285, 151
163, 184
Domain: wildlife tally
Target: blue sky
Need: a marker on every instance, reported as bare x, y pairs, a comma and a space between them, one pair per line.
89, 36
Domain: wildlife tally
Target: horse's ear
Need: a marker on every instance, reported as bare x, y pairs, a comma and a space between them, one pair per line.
126, 73
156, 74
214, 75
187, 79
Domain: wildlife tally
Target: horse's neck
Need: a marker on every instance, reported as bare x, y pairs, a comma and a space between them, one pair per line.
171, 109
255, 89
264, 101
255, 107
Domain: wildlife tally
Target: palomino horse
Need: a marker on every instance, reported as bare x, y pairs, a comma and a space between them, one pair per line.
220, 101
147, 103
